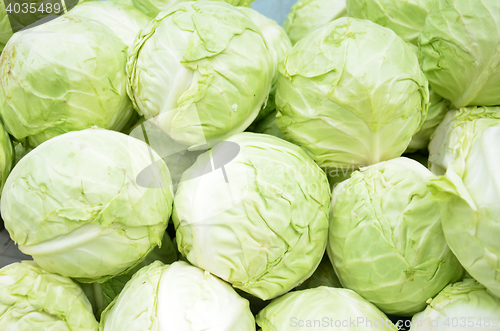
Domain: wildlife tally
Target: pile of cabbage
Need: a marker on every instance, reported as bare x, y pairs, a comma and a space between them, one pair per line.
193, 165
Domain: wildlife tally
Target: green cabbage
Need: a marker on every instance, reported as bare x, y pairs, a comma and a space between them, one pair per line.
259, 222
386, 241
465, 147
33, 299
461, 306
322, 308
75, 205
177, 297
459, 51
351, 94
64, 75
201, 71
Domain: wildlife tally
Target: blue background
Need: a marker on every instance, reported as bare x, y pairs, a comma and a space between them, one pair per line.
275, 9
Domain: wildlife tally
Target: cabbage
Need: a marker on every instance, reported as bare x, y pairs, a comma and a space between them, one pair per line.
466, 148
259, 220
462, 306
201, 71
385, 237
75, 205
177, 297
33, 299
459, 51
322, 308
64, 75
351, 94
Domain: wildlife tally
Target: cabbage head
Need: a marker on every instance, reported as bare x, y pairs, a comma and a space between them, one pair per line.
459, 51
445, 142
405, 17
351, 94
462, 306
260, 221
34, 299
74, 204
177, 297
306, 15
385, 237
469, 156
81, 63
201, 71
321, 309
124, 20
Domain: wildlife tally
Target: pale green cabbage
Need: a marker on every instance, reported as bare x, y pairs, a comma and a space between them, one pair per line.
464, 306
386, 241
446, 141
177, 297
466, 149
306, 15
322, 308
459, 51
261, 221
124, 20
405, 17
32, 299
201, 71
64, 75
351, 94
74, 204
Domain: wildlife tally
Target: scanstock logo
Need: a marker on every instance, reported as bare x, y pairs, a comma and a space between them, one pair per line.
26, 14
